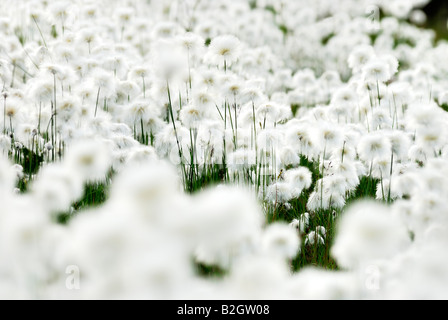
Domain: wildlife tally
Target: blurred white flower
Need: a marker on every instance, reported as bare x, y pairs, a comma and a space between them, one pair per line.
368, 231
376, 71
57, 187
374, 146
280, 240
360, 56
302, 223
299, 179
224, 50
313, 238
90, 160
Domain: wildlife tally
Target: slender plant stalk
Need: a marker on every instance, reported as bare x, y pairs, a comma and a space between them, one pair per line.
39, 117
52, 130
97, 100
13, 74
322, 181
236, 123
231, 124
4, 113
378, 92
40, 32
142, 129
255, 138
55, 117
179, 148
389, 197
189, 69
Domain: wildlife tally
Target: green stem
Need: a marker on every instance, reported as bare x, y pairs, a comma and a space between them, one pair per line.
13, 74
255, 137
231, 124
97, 100
389, 197
4, 115
192, 151
55, 115
10, 127
143, 131
39, 117
236, 122
322, 181
189, 69
378, 92
220, 113
52, 130
170, 107
40, 32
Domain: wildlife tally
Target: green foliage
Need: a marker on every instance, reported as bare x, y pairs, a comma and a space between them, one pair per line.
444, 107
196, 178
271, 9
327, 38
284, 29
400, 40
365, 190
31, 161
205, 271
95, 194
318, 255
253, 4
209, 176
20, 36
54, 32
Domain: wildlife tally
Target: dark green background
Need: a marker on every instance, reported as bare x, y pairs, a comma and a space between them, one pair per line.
437, 12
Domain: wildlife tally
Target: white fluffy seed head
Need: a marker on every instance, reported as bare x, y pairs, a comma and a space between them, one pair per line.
57, 187
376, 71
90, 159
191, 116
302, 223
368, 231
360, 56
280, 192
228, 219
281, 240
146, 187
299, 179
224, 49
374, 146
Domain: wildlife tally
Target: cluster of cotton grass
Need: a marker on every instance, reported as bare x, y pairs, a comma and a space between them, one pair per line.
149, 97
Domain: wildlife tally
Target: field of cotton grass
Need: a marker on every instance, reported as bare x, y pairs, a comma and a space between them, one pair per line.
222, 149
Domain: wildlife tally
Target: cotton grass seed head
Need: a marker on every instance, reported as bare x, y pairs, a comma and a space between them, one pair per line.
299, 179
280, 240
376, 71
191, 116
374, 146
224, 49
147, 188
368, 231
57, 187
360, 56
90, 159
302, 223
